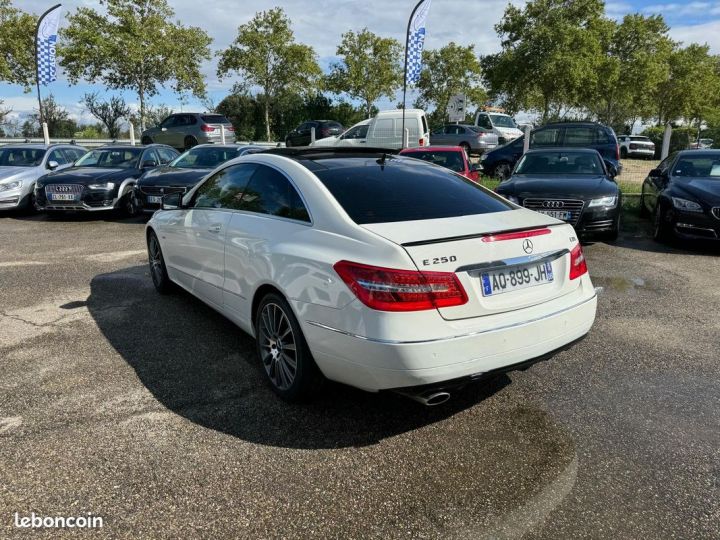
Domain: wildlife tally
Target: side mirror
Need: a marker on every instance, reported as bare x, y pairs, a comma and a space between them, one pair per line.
612, 169
655, 173
163, 129
171, 201
52, 165
148, 164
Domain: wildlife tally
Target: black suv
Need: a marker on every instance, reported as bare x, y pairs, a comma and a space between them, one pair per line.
501, 161
300, 136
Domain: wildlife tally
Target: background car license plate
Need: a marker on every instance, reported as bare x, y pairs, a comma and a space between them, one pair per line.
154, 199
557, 214
63, 197
516, 277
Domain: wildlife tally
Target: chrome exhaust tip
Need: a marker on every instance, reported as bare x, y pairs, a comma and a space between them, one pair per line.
429, 398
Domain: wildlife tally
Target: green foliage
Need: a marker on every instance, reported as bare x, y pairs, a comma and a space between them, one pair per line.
551, 55
452, 69
265, 54
135, 46
17, 46
370, 67
57, 118
108, 112
681, 138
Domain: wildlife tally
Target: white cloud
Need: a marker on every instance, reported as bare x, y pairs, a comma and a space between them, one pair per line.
708, 33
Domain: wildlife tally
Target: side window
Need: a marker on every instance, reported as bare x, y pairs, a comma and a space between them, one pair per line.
166, 155
190, 120
603, 137
484, 121
665, 165
545, 137
269, 192
580, 136
169, 122
149, 155
74, 153
424, 124
57, 155
225, 188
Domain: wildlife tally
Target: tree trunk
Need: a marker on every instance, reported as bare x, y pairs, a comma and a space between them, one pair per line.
368, 107
267, 118
141, 96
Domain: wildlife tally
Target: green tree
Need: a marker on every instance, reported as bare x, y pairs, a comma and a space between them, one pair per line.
552, 52
135, 46
108, 112
57, 118
17, 48
265, 54
370, 68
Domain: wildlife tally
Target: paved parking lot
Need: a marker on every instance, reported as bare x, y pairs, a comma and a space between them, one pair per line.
151, 412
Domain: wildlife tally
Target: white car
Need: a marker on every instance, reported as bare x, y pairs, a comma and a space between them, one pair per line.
355, 136
22, 164
636, 146
501, 124
373, 270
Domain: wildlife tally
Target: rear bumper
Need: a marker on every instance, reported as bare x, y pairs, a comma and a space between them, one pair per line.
642, 152
376, 365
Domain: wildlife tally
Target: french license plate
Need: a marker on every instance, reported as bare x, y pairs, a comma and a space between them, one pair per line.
515, 278
557, 214
154, 199
63, 196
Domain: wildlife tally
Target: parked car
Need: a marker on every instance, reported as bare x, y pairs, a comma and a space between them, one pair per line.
386, 129
702, 144
501, 124
683, 196
636, 146
454, 158
22, 164
501, 161
573, 185
302, 135
185, 130
373, 270
184, 172
101, 180
473, 139
355, 136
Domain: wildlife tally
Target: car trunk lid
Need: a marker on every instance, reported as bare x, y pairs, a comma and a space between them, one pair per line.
471, 246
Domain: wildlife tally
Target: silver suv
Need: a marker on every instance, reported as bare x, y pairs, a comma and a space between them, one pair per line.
185, 130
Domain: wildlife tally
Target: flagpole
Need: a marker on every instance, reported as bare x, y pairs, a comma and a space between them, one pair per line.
407, 42
37, 64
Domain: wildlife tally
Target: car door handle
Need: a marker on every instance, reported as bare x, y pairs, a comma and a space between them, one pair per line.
215, 228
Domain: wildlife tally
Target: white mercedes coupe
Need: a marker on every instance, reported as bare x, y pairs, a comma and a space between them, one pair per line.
373, 270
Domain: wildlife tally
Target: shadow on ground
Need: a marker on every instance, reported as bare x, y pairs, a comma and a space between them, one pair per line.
201, 366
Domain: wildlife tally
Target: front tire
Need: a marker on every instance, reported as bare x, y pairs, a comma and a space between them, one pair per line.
623, 153
662, 231
643, 209
503, 171
283, 351
158, 270
146, 140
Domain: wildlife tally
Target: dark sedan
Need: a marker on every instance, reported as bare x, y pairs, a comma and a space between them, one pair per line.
184, 172
683, 196
574, 185
103, 179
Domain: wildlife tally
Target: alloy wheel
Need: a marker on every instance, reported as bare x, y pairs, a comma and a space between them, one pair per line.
155, 261
278, 346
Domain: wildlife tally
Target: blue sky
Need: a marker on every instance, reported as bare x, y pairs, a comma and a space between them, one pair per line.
462, 21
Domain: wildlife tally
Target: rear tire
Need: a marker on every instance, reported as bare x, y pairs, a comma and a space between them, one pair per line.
190, 142
465, 146
158, 270
283, 351
623, 152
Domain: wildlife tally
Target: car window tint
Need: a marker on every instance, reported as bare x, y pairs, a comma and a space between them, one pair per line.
57, 155
580, 136
224, 189
166, 155
270, 192
74, 154
214, 119
545, 137
150, 155
404, 189
168, 122
424, 124
602, 137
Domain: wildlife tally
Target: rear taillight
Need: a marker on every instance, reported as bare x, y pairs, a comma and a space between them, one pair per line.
421, 142
387, 289
229, 128
578, 265
207, 129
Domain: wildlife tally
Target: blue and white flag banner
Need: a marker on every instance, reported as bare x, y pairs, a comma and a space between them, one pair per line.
416, 42
46, 41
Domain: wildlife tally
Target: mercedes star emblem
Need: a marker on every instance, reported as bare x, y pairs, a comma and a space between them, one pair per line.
528, 246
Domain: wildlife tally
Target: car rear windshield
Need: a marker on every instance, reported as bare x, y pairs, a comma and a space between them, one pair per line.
449, 159
560, 163
215, 119
21, 157
640, 139
503, 121
204, 157
401, 189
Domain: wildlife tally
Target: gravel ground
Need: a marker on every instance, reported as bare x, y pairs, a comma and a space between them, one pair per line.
152, 412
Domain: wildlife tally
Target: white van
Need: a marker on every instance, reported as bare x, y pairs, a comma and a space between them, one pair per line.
501, 124
386, 129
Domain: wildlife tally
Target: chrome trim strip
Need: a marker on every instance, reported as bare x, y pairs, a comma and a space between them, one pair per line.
515, 261
471, 334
